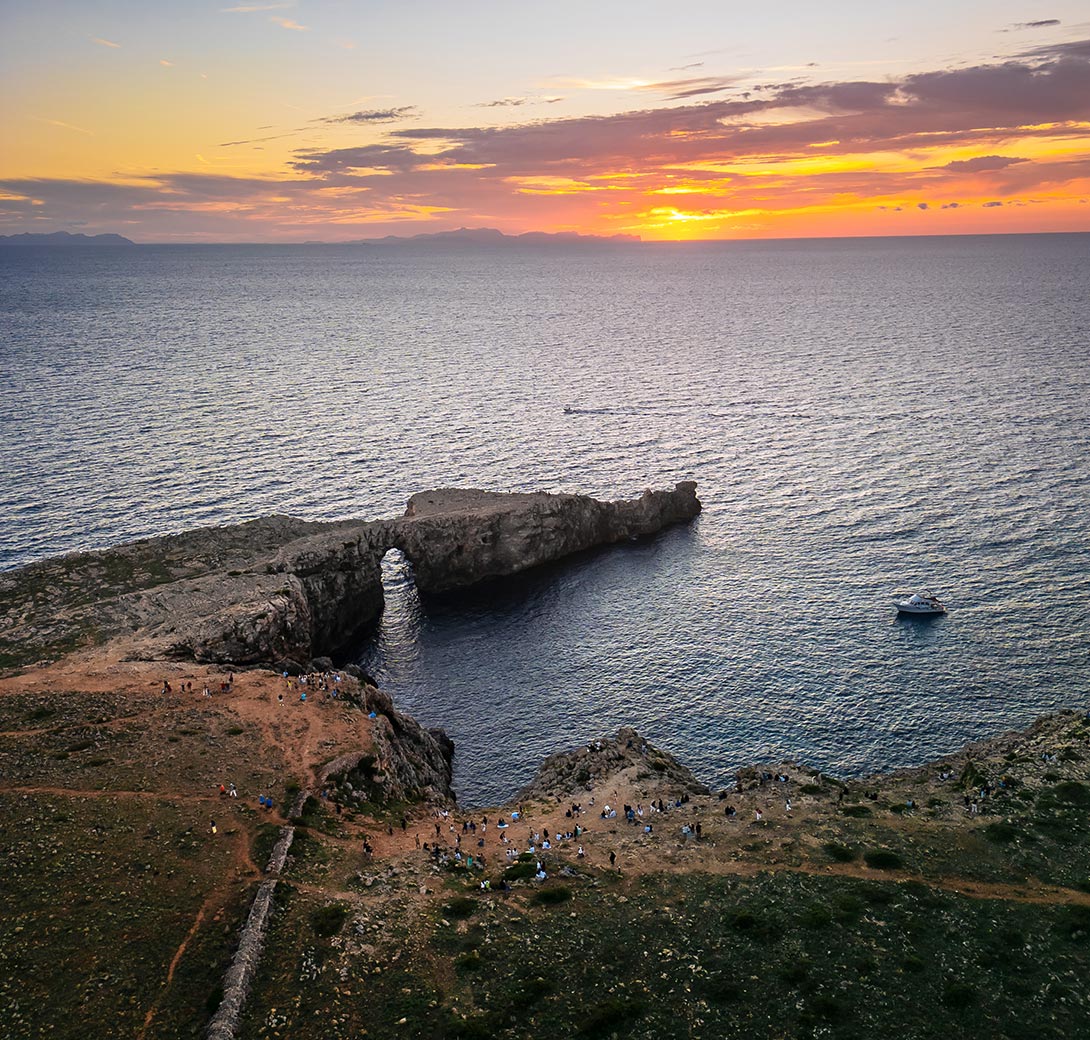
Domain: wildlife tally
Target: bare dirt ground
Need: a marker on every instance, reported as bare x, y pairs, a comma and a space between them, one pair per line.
302, 736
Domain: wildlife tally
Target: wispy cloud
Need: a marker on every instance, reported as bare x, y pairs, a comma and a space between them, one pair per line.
287, 23
1042, 23
375, 115
518, 102
103, 42
671, 89
676, 89
166, 64
982, 163
63, 125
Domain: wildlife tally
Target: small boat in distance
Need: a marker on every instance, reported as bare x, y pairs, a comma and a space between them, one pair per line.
920, 603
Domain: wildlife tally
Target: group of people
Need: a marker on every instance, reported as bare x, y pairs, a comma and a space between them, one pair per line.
225, 686
314, 683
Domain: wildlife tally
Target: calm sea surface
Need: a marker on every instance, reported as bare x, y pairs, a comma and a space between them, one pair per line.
863, 418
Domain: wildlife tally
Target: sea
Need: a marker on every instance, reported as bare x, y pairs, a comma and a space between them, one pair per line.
864, 418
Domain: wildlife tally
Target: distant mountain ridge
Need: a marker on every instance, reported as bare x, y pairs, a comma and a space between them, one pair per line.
64, 240
493, 237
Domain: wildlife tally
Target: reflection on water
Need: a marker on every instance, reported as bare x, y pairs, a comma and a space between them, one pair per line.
862, 417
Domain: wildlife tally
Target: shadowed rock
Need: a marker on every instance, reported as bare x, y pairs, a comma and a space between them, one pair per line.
284, 590
570, 772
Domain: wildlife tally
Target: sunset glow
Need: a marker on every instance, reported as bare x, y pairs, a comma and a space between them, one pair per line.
330, 121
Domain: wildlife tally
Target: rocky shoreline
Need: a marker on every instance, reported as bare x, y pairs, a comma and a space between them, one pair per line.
282, 590
366, 901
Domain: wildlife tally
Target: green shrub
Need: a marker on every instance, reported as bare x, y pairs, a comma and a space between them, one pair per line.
1073, 793
816, 915
610, 1017
959, 995
1001, 832
470, 961
328, 920
882, 859
552, 896
520, 871
856, 811
837, 852
459, 908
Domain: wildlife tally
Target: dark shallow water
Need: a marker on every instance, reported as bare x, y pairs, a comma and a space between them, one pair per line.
863, 417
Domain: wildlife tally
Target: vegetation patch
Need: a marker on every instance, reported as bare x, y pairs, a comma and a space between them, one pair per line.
882, 859
328, 920
553, 895
838, 853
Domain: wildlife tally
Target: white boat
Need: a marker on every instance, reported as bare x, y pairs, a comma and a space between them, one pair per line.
920, 603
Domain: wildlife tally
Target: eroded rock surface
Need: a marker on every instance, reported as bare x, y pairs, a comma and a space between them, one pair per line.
568, 773
284, 590
406, 763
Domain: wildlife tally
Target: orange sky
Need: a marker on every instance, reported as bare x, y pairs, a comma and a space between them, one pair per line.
308, 121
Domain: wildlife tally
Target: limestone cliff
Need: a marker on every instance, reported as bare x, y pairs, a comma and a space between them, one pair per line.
285, 590
407, 762
569, 773
457, 538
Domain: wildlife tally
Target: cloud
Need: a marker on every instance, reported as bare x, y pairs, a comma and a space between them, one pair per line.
104, 43
850, 146
685, 68
375, 115
518, 102
1070, 49
287, 23
677, 89
1042, 23
507, 102
166, 64
983, 162
258, 140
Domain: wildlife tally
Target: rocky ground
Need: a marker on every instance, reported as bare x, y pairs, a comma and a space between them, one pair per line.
620, 897
954, 898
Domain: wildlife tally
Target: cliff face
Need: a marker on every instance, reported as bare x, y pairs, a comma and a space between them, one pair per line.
282, 590
457, 538
569, 773
407, 762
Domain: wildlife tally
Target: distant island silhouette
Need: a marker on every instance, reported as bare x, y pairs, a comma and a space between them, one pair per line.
64, 240
491, 237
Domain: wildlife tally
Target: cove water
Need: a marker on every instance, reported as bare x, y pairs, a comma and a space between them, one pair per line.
863, 418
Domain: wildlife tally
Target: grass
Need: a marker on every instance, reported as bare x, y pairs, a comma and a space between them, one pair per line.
772, 955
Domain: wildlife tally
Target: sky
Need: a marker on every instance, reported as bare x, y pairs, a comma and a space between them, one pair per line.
335, 120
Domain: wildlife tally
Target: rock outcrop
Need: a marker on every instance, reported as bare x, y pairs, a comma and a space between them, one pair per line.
284, 590
407, 763
457, 538
568, 773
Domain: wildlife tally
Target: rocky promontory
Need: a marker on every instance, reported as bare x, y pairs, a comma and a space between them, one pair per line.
285, 590
568, 773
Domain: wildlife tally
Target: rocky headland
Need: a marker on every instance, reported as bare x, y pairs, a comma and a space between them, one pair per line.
337, 890
284, 591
